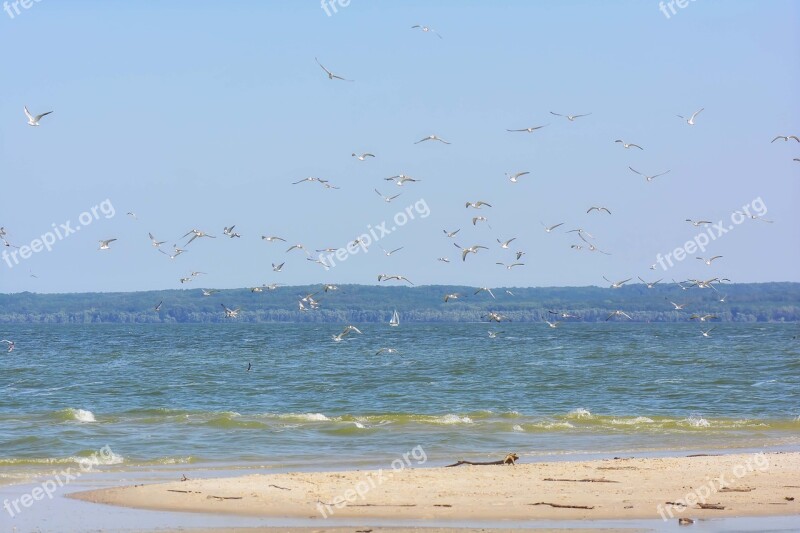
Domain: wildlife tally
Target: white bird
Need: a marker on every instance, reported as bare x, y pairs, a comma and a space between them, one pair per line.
277, 268
475, 220
363, 156
387, 199
552, 324
786, 138
648, 178
231, 313
708, 261
386, 277
390, 252
706, 333
548, 229
512, 265
755, 217
311, 179
401, 179
722, 300
598, 209
230, 233
471, 250
443, 259
649, 285
331, 75
494, 316
504, 245
432, 138
132, 215
10, 345
515, 177
494, 334
628, 145
697, 223
477, 205
297, 247
581, 232
617, 284
571, 118
272, 238
425, 29
209, 292
386, 350
34, 120
452, 296
529, 130
618, 313
156, 242
485, 289
690, 120
105, 245
196, 234
678, 307
702, 318
451, 234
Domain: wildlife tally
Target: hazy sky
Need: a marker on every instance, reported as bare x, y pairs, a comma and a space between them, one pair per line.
198, 114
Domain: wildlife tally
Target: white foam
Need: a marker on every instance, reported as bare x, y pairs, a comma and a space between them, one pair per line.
697, 422
453, 419
517, 427
312, 417
82, 415
580, 412
632, 421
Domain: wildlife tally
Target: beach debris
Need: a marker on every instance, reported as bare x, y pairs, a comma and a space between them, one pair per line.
561, 506
685, 521
789, 498
442, 505
509, 459
587, 480
185, 491
277, 487
209, 497
184, 478
716, 506
736, 489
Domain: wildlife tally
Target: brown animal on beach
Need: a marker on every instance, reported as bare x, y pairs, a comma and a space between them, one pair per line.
511, 459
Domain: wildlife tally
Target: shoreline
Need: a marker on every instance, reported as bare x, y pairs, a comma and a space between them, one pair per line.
745, 485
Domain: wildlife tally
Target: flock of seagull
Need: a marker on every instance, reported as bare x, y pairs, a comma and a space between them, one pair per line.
310, 303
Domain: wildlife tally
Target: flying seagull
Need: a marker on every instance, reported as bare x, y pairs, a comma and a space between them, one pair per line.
387, 199
649, 285
617, 284
471, 250
529, 130
548, 229
598, 209
782, 137
515, 177
331, 75
478, 204
571, 118
690, 120
425, 29
105, 245
10, 345
230, 313
195, 233
628, 145
451, 234
34, 120
362, 157
156, 242
648, 178
708, 261
432, 138
618, 313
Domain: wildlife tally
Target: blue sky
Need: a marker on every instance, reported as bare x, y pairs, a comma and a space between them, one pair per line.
201, 115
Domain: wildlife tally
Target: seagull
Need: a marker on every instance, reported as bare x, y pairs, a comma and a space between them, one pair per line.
400, 179
485, 289
512, 265
755, 217
649, 285
387, 199
443, 259
331, 75
453, 296
722, 300
231, 313
475, 220
562, 315
310, 179
208, 292
495, 317
451, 234
581, 232
230, 233
386, 350
690, 120
272, 238
552, 324
256, 289
105, 245
386, 277
619, 313
628, 145
598, 209
783, 137
494, 334
363, 156
432, 138
509, 292
185, 280
297, 247
617, 284
648, 178
548, 229
34, 120
706, 333
678, 307
10, 345
702, 318
278, 268
708, 261
477, 205
426, 30
391, 252
156, 242
697, 223
196, 234
158, 307
515, 177
679, 285
132, 215
471, 250
504, 245
529, 130
571, 118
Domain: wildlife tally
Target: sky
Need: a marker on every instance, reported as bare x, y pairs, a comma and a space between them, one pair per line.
199, 114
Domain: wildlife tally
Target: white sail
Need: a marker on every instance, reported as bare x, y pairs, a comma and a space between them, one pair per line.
395, 321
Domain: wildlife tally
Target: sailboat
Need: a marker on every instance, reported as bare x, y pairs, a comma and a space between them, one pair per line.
395, 321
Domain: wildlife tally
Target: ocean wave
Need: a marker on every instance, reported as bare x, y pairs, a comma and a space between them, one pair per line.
517, 427
632, 421
696, 422
76, 415
452, 419
580, 412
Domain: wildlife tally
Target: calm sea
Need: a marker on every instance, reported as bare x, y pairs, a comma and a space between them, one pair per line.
182, 394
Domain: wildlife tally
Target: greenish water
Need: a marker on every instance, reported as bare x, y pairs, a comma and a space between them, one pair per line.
181, 394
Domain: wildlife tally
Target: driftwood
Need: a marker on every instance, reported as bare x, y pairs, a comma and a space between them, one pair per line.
223, 497
704, 455
560, 506
716, 506
442, 505
736, 489
184, 491
277, 487
509, 459
382, 505
587, 480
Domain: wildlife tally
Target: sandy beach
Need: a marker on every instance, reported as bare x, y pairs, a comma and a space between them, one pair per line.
733, 485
